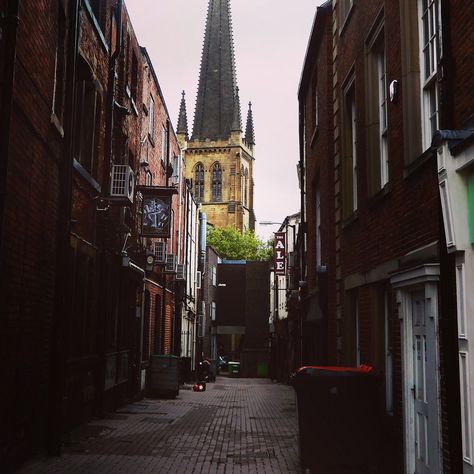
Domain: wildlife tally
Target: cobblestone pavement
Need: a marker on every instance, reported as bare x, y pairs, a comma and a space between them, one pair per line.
235, 426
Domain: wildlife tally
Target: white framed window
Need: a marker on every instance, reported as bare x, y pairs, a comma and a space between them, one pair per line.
213, 311
149, 179
430, 53
214, 276
349, 140
163, 144
151, 118
383, 120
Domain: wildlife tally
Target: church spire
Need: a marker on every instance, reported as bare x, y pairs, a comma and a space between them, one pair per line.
237, 121
215, 103
183, 117
249, 131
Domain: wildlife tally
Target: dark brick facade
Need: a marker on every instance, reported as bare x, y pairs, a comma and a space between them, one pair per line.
71, 318
395, 229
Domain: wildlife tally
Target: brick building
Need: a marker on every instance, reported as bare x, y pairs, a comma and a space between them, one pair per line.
379, 79
31, 148
86, 137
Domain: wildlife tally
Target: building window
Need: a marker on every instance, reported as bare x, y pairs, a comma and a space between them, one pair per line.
318, 224
349, 131
149, 179
97, 10
376, 112
246, 188
344, 9
217, 182
213, 311
151, 118
242, 183
134, 78
87, 118
176, 169
214, 276
199, 182
315, 106
429, 25
163, 144
60, 66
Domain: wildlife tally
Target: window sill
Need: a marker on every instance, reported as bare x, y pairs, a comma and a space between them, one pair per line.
314, 136
95, 24
379, 196
354, 217
86, 176
415, 165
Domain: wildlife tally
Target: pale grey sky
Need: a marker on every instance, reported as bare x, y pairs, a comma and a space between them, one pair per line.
270, 38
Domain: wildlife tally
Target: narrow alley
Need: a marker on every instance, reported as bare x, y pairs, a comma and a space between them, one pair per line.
235, 426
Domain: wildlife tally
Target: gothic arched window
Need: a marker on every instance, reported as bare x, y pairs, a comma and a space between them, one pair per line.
242, 184
199, 182
217, 182
246, 188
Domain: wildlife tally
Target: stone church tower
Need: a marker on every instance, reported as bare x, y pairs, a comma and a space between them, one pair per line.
219, 157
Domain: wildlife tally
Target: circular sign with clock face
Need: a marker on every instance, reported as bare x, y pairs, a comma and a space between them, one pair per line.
150, 260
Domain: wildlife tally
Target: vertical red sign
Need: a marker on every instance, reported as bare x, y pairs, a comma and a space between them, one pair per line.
279, 253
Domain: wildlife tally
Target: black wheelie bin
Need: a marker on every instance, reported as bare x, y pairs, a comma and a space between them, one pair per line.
337, 419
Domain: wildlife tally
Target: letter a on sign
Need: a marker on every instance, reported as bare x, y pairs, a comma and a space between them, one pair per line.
279, 251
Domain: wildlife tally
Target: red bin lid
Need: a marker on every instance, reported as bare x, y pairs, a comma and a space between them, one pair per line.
362, 369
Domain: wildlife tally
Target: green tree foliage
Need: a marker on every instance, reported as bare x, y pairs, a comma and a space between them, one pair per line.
230, 244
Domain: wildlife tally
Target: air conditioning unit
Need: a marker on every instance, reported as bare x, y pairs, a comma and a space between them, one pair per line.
180, 271
198, 280
170, 263
122, 185
160, 253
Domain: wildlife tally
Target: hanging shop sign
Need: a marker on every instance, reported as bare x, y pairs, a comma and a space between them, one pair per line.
156, 211
279, 253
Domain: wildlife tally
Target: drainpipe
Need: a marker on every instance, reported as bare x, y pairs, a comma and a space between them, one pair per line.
63, 272
12, 20
302, 227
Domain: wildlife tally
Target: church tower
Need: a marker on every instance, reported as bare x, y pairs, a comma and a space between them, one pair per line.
219, 157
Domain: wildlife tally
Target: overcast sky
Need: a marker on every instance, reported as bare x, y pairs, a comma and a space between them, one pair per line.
270, 38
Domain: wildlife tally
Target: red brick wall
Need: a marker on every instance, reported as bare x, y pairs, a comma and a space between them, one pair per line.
460, 37
28, 242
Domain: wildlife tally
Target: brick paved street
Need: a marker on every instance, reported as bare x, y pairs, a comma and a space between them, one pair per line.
236, 426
